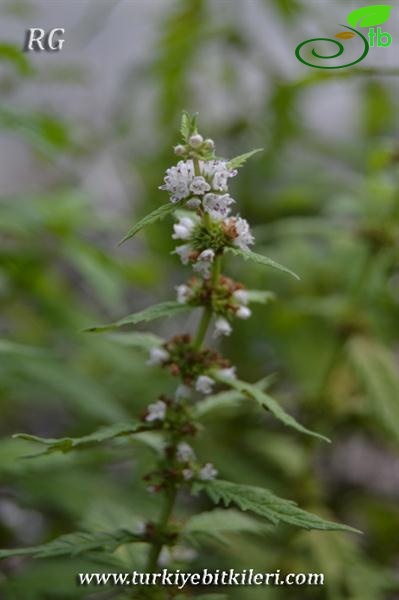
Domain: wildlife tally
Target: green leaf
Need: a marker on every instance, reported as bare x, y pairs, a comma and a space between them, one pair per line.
377, 371
156, 215
67, 444
265, 504
261, 260
188, 125
369, 16
74, 544
13, 348
226, 400
267, 402
12, 54
164, 309
238, 161
217, 523
135, 339
260, 297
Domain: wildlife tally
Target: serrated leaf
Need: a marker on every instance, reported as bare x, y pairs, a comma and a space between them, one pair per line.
156, 215
226, 400
265, 504
369, 16
260, 297
238, 161
260, 259
217, 523
164, 309
75, 544
267, 402
378, 375
97, 437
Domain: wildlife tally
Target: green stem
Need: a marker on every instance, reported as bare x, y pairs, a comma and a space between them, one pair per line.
202, 328
197, 170
203, 325
165, 515
207, 313
354, 295
216, 269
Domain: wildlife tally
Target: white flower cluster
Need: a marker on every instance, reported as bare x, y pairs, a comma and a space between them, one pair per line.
156, 411
185, 454
237, 227
183, 184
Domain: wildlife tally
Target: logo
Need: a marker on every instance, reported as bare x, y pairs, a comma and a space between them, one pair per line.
367, 16
37, 39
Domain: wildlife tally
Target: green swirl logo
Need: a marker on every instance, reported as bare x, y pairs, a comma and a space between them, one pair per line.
368, 16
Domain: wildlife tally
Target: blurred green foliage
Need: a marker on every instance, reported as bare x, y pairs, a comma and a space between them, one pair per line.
325, 205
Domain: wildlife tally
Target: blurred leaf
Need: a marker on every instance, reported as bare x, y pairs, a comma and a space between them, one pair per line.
67, 444
259, 259
378, 373
12, 54
239, 161
156, 215
268, 403
265, 504
260, 297
74, 544
47, 133
12, 348
164, 309
217, 523
136, 339
85, 394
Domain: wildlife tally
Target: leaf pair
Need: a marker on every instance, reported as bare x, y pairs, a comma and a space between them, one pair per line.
163, 309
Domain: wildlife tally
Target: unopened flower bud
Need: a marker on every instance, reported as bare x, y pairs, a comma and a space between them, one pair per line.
241, 296
180, 150
208, 472
209, 144
222, 327
204, 384
196, 140
193, 203
157, 356
156, 411
243, 312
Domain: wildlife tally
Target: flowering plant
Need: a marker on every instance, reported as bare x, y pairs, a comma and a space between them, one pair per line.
206, 231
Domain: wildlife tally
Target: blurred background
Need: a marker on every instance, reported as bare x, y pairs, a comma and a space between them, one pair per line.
86, 135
